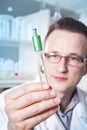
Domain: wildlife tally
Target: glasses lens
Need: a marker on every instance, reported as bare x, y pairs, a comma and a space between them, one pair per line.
75, 61
52, 57
71, 60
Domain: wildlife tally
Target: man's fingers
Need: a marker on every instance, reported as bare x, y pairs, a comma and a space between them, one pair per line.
28, 87
31, 98
30, 123
38, 108
35, 109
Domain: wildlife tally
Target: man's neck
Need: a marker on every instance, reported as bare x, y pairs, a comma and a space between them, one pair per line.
65, 99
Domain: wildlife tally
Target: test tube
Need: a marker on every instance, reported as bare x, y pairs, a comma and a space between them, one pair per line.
37, 45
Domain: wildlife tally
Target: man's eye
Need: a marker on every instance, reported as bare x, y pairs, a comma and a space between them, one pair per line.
74, 58
54, 56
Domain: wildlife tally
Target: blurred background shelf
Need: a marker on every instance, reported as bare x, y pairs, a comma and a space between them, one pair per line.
11, 83
9, 42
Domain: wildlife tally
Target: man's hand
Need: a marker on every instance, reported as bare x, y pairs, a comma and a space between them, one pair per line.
29, 105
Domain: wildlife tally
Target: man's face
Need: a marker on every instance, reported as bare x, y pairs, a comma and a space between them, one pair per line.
61, 76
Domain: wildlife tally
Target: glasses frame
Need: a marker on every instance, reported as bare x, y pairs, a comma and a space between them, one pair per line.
80, 61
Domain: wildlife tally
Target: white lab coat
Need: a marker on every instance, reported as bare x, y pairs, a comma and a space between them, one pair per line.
78, 121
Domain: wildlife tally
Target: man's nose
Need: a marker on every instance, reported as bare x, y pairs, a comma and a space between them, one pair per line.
61, 65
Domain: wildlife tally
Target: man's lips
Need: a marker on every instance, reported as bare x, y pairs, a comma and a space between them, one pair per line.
60, 78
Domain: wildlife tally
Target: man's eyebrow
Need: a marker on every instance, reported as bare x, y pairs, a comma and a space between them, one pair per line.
53, 52
72, 53
75, 54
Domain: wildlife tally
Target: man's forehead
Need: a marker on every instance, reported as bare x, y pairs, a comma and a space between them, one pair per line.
68, 42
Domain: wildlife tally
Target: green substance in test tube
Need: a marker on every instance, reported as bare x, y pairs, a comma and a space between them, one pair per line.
36, 41
37, 45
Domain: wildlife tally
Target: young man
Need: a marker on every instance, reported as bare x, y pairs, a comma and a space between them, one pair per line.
58, 104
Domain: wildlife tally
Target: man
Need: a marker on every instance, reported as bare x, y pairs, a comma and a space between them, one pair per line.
58, 104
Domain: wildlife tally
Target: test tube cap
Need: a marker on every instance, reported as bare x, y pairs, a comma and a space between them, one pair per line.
36, 40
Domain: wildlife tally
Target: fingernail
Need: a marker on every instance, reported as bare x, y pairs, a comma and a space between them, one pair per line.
52, 93
57, 100
45, 85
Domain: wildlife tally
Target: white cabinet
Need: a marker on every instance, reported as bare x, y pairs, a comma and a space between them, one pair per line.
17, 64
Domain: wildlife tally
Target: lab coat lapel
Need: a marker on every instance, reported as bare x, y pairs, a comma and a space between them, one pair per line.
53, 123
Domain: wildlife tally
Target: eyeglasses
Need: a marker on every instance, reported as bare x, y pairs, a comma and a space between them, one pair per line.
70, 60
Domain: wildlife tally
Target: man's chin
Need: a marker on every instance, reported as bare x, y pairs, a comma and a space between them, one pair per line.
59, 87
